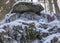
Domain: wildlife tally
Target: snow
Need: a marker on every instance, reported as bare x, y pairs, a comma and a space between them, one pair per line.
20, 22
2, 30
37, 23
36, 41
35, 0
55, 23
1, 9
6, 36
7, 1
49, 38
14, 41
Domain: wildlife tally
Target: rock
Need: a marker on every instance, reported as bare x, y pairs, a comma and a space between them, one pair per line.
27, 7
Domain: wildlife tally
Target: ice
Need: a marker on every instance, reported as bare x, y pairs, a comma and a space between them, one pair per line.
36, 3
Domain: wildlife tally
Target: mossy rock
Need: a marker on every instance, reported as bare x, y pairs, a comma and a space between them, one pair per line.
27, 7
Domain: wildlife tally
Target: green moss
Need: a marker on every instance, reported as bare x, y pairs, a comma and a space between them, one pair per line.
31, 26
31, 34
54, 40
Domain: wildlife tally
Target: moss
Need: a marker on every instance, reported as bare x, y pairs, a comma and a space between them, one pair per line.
31, 26
31, 34
54, 40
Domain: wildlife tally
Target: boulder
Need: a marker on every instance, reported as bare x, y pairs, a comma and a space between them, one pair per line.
27, 7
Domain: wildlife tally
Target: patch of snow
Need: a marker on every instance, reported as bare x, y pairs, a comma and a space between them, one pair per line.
35, 0
36, 41
7, 1
6, 36
1, 9
55, 23
2, 30
36, 3
14, 41
49, 38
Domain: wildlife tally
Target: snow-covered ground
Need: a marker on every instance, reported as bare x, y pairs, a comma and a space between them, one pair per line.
11, 25
42, 25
